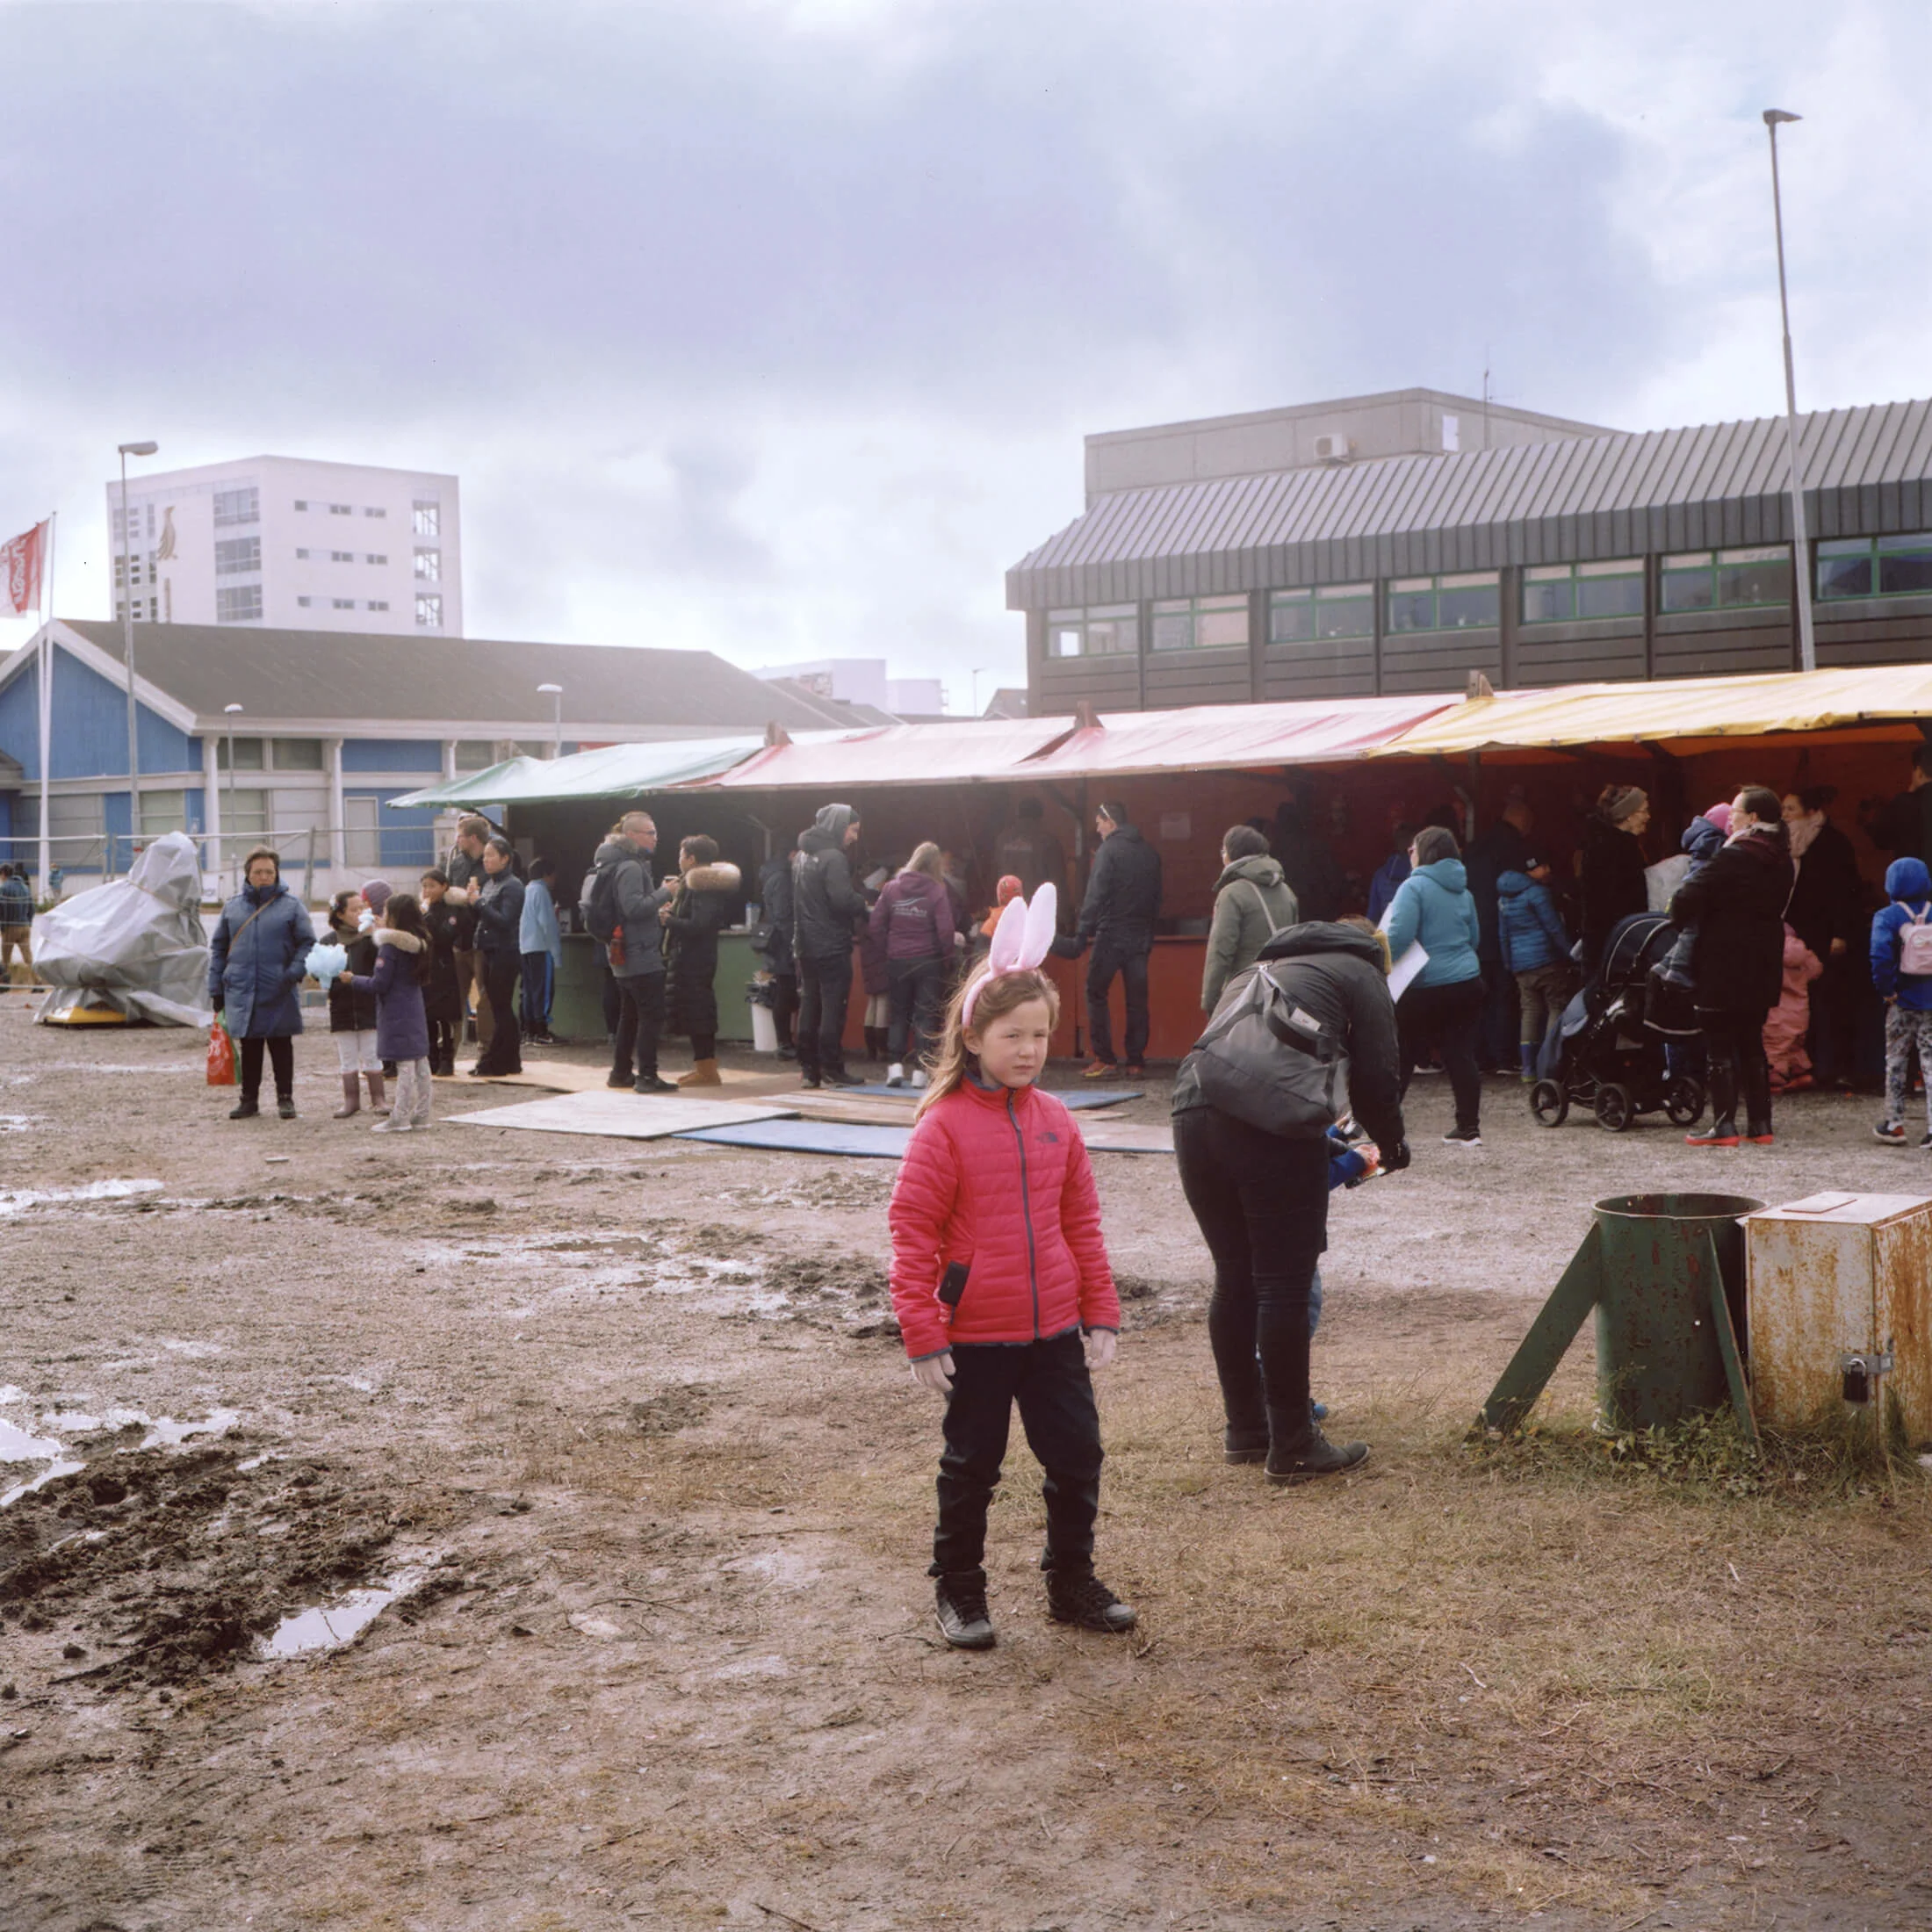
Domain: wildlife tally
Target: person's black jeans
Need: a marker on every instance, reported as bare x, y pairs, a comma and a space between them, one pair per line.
1497, 1038
1262, 1205
918, 991
824, 990
640, 1024
504, 1052
446, 1036
1445, 1018
784, 1005
1734, 1045
1128, 958
1050, 1383
1834, 996
613, 1000
281, 1057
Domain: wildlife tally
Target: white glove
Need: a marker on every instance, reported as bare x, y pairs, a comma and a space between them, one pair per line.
935, 1371
1101, 1345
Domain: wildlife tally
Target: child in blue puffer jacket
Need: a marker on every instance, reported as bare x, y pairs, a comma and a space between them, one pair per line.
1907, 996
1703, 839
1536, 948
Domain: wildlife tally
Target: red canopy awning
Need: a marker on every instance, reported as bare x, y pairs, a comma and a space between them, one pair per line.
985, 750
1234, 737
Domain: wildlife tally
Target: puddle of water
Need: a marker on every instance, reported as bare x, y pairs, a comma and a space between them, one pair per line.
256, 1462
53, 1472
193, 1351
18, 1123
14, 1199
171, 1434
10, 1394
329, 1627
16, 1445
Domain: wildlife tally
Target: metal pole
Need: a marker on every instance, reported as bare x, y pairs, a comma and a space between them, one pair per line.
1801, 569
228, 711
127, 641
45, 668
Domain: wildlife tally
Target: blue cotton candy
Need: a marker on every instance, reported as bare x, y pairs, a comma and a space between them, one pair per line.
325, 962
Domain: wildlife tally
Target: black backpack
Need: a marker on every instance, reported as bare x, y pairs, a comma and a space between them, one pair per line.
599, 909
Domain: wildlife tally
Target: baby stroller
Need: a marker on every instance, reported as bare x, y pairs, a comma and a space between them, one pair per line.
1608, 1051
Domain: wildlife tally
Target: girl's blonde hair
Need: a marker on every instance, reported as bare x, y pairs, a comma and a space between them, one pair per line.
926, 859
997, 999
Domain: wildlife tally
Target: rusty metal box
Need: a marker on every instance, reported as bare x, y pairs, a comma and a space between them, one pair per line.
1832, 1276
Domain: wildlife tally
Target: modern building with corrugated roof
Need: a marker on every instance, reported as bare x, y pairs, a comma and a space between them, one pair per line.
1410, 542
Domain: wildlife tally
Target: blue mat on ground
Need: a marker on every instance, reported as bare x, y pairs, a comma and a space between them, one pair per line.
809, 1137
1068, 1097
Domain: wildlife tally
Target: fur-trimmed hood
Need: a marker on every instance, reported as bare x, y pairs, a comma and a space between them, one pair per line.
721, 875
393, 936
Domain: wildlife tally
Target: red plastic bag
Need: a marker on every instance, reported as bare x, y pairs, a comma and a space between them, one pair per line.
221, 1056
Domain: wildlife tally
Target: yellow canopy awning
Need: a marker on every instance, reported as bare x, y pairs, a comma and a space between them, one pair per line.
1678, 709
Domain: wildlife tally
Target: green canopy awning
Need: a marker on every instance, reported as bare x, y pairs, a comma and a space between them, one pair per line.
612, 771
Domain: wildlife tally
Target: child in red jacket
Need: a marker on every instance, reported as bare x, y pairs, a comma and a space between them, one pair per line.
1001, 1285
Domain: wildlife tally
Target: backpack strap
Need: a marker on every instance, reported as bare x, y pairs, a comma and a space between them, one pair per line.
1262, 904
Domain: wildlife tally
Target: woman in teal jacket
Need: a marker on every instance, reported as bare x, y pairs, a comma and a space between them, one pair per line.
1442, 1007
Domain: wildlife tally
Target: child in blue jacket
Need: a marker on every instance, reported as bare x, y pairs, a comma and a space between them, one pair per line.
1907, 996
1536, 948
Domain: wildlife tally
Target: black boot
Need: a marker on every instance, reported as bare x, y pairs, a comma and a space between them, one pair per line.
247, 1108
1080, 1598
1243, 1445
959, 1601
1301, 1458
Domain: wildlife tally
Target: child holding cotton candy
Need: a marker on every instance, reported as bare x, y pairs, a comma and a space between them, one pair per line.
1001, 1284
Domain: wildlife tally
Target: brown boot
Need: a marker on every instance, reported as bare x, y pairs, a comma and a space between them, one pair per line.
377, 1104
702, 1073
351, 1104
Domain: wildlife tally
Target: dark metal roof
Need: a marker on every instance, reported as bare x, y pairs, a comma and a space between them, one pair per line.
317, 675
1867, 471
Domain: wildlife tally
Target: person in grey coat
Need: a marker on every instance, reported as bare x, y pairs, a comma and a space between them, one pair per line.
256, 962
1253, 901
637, 954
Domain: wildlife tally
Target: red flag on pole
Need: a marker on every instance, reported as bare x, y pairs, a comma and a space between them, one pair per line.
20, 563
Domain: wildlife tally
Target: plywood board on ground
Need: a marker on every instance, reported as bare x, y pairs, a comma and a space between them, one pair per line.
623, 1116
581, 1076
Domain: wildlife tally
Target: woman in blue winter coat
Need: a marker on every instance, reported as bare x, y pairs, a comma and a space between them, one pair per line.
255, 962
1442, 1007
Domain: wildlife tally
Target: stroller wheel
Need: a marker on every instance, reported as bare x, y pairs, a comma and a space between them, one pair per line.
1549, 1104
1615, 1108
1683, 1101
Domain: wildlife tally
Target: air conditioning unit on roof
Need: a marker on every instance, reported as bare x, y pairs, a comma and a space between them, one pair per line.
1333, 449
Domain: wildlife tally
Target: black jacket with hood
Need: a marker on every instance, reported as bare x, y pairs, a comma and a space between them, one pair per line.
825, 904
1338, 976
1736, 903
1123, 894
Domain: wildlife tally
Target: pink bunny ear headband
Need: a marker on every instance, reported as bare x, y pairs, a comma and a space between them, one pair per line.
1022, 939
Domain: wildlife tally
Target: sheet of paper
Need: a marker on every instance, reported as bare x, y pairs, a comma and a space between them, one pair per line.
1405, 969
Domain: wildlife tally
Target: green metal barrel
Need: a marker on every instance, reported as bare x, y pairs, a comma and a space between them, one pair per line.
1660, 1356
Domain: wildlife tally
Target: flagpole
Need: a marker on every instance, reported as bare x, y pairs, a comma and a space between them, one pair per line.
45, 668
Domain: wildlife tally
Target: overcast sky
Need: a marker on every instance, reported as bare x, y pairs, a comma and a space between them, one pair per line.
775, 328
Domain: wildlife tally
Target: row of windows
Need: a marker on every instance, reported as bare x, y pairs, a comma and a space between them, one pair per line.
1708, 580
241, 505
341, 603
425, 513
234, 556
237, 603
341, 556
266, 754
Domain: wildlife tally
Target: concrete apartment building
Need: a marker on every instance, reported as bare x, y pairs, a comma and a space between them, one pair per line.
289, 544
1406, 542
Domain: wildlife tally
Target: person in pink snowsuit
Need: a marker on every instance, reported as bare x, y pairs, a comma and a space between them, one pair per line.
1785, 1024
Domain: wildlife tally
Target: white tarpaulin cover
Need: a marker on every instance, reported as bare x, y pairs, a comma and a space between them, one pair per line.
135, 944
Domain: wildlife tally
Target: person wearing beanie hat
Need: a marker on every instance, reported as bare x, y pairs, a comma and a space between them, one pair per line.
1613, 883
1719, 815
1008, 888
375, 895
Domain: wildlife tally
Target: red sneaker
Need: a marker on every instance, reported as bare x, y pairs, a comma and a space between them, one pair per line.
1713, 1136
1758, 1140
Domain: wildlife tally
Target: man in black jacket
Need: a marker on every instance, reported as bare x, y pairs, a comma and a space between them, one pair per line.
826, 907
1123, 899
635, 955
1261, 1195
775, 894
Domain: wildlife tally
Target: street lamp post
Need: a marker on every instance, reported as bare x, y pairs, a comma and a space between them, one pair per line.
229, 712
555, 694
127, 641
1807, 642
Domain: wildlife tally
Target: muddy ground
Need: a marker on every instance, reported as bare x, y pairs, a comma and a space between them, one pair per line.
625, 1427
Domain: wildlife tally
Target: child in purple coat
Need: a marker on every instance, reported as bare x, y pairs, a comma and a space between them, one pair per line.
403, 1026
